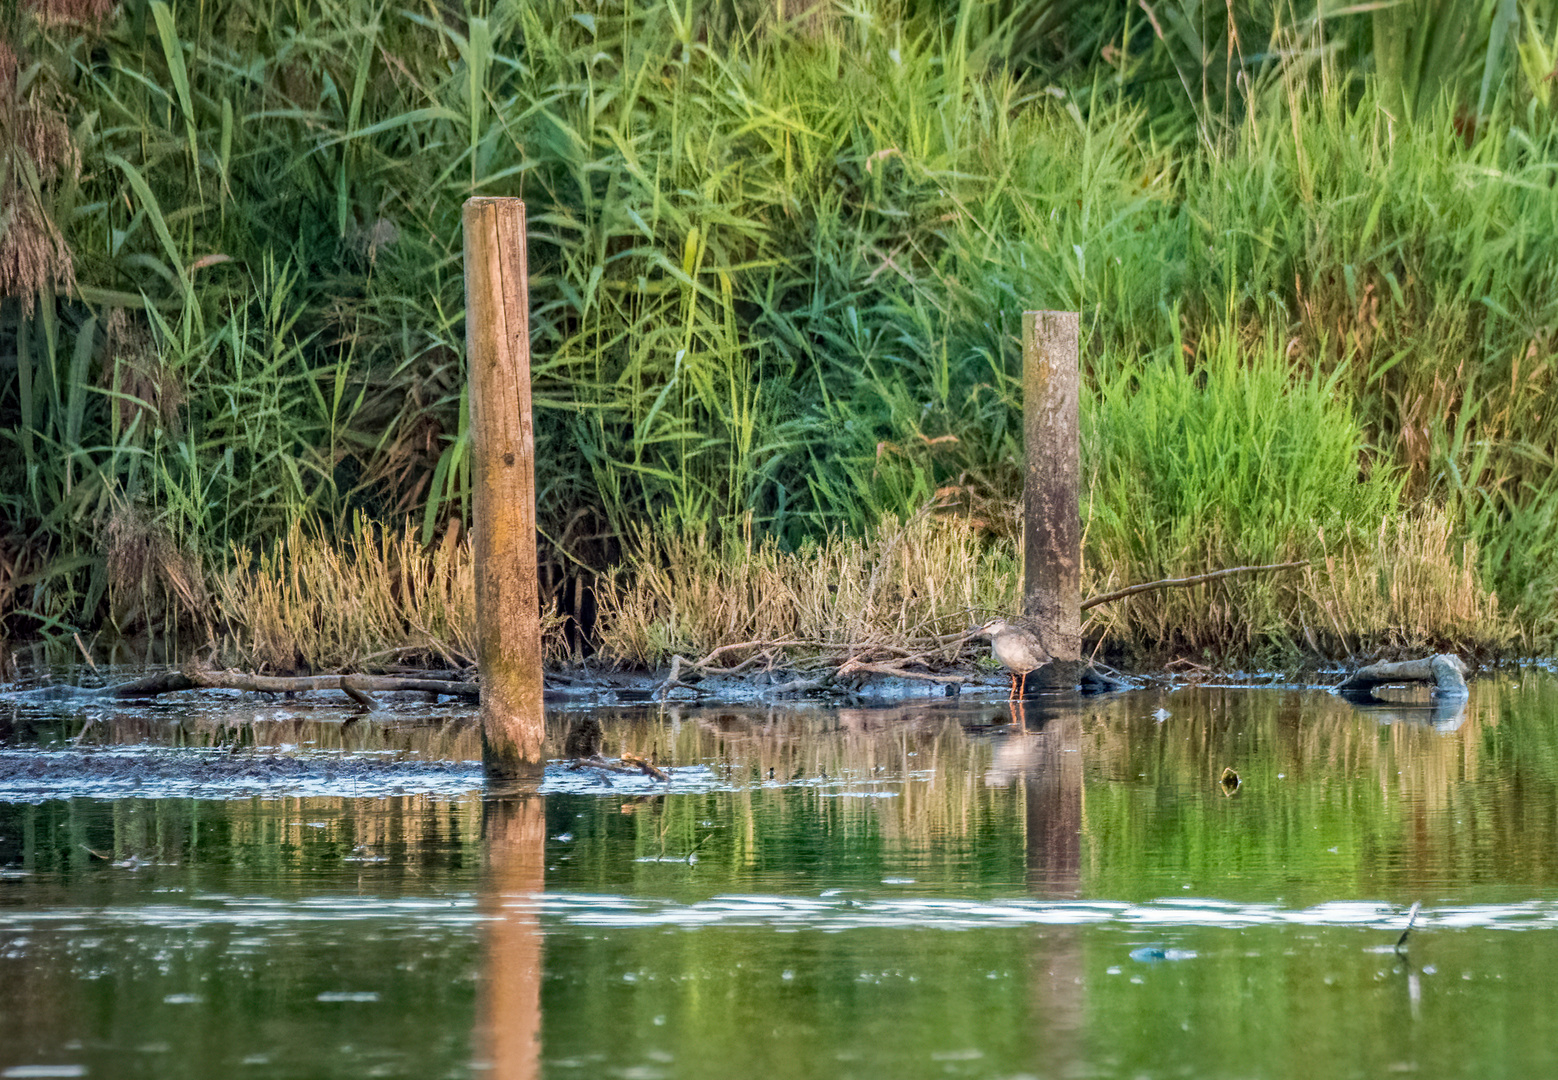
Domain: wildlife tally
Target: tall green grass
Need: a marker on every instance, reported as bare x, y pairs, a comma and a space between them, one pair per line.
777, 272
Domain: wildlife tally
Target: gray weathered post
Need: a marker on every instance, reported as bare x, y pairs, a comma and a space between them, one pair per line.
503, 511
1052, 524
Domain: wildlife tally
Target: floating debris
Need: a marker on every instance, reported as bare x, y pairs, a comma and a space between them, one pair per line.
1401, 941
1152, 954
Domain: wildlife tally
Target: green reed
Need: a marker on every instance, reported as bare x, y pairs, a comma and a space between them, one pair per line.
777, 273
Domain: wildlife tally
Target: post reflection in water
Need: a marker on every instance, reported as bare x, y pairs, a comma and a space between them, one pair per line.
508, 1014
1047, 758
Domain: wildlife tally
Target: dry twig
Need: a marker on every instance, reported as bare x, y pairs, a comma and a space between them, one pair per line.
1179, 583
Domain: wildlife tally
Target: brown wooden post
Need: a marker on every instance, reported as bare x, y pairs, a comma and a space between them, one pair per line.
1052, 523
503, 510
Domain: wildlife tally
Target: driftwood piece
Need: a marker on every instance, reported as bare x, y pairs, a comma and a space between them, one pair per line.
850, 667
680, 664
799, 685
644, 765
228, 679
599, 765
674, 679
1401, 942
1098, 679
630, 763
355, 686
351, 689
148, 686
1445, 671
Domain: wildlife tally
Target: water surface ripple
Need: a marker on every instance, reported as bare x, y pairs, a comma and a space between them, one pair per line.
1059, 889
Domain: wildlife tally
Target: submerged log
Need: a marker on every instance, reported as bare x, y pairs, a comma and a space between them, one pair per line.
355, 686
1446, 671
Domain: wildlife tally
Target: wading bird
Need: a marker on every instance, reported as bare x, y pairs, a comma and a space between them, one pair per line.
1016, 643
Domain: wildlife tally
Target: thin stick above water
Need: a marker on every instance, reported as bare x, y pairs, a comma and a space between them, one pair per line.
1179, 583
1411, 920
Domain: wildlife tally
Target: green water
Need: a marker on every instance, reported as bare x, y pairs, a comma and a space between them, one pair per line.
926, 891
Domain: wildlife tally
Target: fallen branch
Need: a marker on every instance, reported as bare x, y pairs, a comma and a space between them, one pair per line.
1401, 942
283, 684
599, 764
631, 763
798, 685
351, 688
1445, 671
849, 667
160, 682
673, 679
147, 686
1179, 583
644, 765
849, 654
757, 644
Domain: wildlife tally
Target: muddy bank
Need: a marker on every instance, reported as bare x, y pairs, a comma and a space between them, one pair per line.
584, 686
588, 686
572, 686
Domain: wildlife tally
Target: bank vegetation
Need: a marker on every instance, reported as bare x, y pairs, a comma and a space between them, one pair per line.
777, 271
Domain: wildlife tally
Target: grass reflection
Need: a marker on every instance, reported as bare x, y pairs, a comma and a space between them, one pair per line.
928, 890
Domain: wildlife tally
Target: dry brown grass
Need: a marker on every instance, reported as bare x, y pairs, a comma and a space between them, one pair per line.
87, 13
898, 591
317, 603
1415, 588
35, 150
33, 253
909, 591
154, 582
321, 604
142, 383
1408, 587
